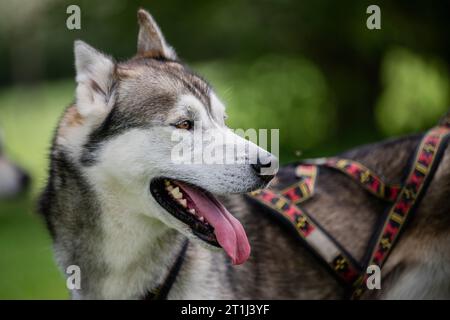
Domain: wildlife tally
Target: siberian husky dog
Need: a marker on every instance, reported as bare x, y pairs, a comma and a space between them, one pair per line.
119, 208
13, 179
117, 204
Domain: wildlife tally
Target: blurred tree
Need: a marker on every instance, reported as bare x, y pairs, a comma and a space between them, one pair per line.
415, 93
19, 30
277, 92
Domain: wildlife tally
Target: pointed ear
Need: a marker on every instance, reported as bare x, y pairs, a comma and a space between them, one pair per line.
95, 80
151, 41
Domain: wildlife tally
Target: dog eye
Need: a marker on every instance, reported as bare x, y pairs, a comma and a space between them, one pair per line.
185, 125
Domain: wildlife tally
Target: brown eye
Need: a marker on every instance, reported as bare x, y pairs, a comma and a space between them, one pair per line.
185, 125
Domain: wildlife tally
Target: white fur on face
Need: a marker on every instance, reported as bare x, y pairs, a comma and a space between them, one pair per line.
222, 176
128, 163
137, 156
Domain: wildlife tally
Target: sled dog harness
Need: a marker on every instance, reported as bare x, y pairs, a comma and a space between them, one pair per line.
402, 200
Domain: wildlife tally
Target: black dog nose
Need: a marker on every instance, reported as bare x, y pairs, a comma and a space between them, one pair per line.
262, 167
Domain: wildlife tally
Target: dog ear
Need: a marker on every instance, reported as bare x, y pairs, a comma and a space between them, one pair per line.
95, 80
151, 41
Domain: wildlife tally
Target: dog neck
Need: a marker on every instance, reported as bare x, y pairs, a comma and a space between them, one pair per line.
136, 249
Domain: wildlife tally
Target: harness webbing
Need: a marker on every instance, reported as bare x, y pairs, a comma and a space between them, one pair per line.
366, 178
302, 190
327, 249
405, 199
425, 163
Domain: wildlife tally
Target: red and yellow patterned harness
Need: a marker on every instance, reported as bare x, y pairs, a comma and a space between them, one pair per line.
403, 199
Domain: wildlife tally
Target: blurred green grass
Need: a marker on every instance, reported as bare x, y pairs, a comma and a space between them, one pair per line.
26, 264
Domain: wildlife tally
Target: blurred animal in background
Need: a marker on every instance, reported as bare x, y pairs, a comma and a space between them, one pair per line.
13, 179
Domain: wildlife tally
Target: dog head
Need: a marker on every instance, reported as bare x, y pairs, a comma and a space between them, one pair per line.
13, 180
131, 119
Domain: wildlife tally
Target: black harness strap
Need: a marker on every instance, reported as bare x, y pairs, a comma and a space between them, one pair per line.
161, 292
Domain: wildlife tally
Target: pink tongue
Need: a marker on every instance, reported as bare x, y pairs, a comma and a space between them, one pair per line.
228, 230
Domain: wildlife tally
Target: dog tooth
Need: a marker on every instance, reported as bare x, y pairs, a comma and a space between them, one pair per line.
201, 219
183, 202
192, 211
169, 188
176, 193
167, 182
